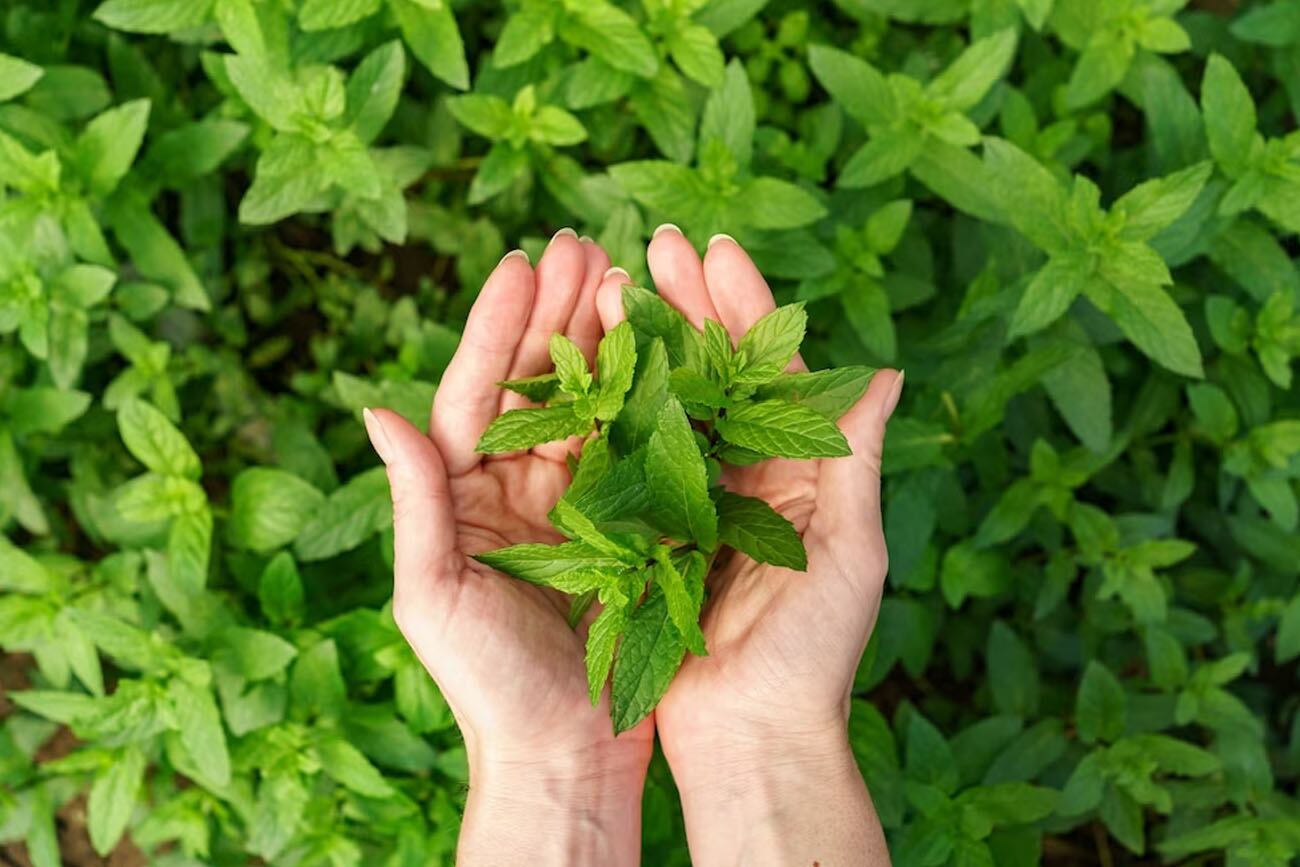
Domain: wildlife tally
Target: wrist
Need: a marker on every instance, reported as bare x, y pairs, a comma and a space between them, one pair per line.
570, 806
783, 798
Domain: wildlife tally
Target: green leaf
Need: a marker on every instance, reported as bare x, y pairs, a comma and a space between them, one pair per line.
155, 441
677, 480
543, 564
683, 608
602, 639
199, 729
616, 359
269, 508
695, 51
346, 765
325, 14
831, 393
637, 420
113, 799
17, 76
108, 145
1101, 708
768, 203
153, 16
856, 85
570, 365
770, 344
968, 78
729, 115
866, 305
538, 389
280, 592
1049, 294
348, 517
1156, 325
373, 90
1100, 68
524, 428
1152, 206
752, 527
651, 652
1229, 112
431, 33
781, 429
610, 34
1014, 675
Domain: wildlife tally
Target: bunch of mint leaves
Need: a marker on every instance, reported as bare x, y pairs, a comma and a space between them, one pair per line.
646, 514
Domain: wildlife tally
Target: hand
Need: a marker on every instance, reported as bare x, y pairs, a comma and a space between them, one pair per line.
544, 763
755, 732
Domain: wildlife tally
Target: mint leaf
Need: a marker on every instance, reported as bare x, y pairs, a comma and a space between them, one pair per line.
1101, 706
640, 413
349, 516
570, 366
752, 527
683, 609
541, 564
155, 441
651, 652
677, 480
616, 359
830, 393
1229, 113
521, 429
696, 389
602, 639
781, 429
769, 346
538, 389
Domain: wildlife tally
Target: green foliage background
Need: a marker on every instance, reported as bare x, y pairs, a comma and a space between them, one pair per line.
227, 225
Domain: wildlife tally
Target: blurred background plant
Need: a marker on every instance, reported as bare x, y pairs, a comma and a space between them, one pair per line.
228, 225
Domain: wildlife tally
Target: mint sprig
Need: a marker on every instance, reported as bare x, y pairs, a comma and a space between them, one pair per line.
646, 515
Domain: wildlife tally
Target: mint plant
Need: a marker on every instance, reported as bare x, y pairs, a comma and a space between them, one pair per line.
668, 408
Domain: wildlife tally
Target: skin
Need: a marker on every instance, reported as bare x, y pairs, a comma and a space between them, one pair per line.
756, 732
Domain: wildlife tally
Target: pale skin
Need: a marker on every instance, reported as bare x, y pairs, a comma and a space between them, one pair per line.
756, 732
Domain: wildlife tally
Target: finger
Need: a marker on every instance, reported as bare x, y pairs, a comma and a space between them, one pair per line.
424, 529
737, 289
468, 397
678, 274
849, 487
609, 298
584, 330
584, 323
559, 277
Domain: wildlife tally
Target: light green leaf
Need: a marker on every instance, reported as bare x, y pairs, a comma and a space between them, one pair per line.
781, 429
155, 441
752, 527
677, 480
524, 428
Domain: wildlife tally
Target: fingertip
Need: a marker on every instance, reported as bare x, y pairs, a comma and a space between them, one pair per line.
609, 298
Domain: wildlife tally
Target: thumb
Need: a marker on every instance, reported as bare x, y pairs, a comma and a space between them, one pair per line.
849, 489
424, 529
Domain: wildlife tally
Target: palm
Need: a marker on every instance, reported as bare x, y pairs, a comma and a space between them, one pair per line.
776, 638
773, 632
500, 649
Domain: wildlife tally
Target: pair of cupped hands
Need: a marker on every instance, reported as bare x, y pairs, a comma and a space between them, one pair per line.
755, 733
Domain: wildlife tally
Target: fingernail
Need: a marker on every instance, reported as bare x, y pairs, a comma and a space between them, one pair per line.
891, 402
566, 231
378, 435
721, 237
617, 270
514, 254
665, 227
586, 239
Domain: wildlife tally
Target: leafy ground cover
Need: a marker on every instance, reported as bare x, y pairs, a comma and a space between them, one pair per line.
228, 225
